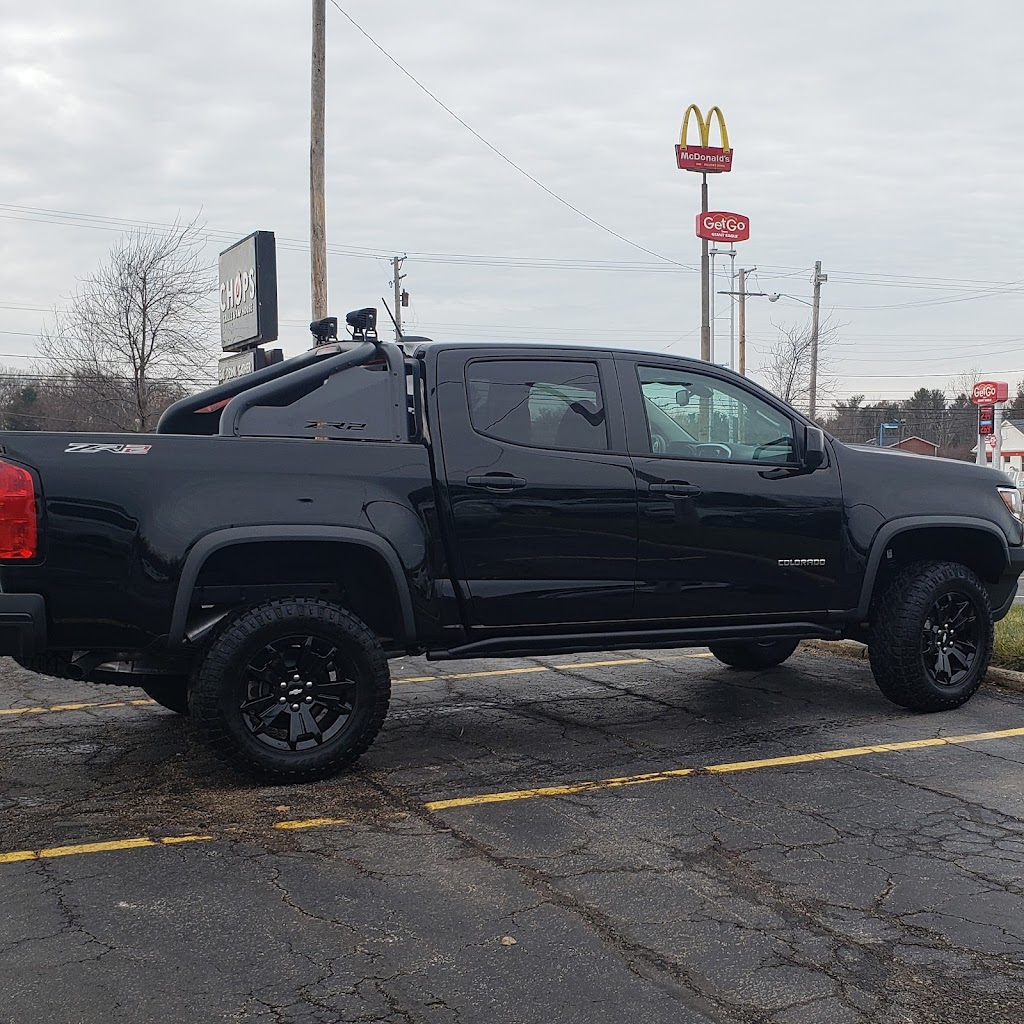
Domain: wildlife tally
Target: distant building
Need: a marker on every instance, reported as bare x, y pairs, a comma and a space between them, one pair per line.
1013, 445
917, 445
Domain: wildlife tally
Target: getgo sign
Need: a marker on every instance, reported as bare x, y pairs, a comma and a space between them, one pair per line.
986, 392
718, 226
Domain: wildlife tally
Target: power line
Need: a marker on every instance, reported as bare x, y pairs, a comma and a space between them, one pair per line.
494, 149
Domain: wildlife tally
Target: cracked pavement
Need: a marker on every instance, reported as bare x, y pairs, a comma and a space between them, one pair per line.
885, 889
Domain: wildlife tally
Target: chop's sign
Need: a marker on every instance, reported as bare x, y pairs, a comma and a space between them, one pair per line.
986, 392
247, 292
719, 226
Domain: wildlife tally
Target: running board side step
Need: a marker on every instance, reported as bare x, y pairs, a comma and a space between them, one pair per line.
576, 643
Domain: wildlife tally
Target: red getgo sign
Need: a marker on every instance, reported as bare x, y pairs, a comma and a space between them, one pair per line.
988, 391
718, 226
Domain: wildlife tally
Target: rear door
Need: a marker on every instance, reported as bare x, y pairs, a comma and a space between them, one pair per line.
541, 492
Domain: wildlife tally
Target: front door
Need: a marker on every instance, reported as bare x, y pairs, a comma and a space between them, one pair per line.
730, 524
541, 493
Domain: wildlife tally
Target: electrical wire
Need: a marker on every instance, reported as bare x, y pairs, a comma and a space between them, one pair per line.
494, 149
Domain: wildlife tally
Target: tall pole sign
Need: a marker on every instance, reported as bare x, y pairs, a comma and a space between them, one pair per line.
247, 293
704, 159
989, 396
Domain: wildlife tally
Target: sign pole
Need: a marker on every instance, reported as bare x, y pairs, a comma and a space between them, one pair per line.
317, 205
705, 282
997, 428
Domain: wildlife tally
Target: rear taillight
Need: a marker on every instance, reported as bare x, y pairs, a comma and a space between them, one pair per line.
18, 532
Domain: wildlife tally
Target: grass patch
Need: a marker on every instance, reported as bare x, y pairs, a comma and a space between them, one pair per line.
1008, 651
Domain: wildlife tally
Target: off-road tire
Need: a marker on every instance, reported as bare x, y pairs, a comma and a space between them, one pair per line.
753, 654
169, 692
904, 618
225, 679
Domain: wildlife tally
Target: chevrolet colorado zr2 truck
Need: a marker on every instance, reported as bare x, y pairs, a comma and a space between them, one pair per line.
256, 562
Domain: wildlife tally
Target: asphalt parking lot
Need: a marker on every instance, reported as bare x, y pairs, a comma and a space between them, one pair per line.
640, 836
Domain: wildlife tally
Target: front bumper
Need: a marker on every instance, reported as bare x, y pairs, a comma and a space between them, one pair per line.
22, 624
1001, 594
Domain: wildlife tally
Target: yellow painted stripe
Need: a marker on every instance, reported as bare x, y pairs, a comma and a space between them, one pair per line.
719, 769
602, 664
311, 823
105, 847
77, 707
572, 787
500, 672
549, 668
87, 705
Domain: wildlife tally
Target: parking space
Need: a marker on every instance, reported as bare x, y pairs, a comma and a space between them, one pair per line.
644, 836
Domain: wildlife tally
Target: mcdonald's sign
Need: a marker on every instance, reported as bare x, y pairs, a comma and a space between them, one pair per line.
704, 158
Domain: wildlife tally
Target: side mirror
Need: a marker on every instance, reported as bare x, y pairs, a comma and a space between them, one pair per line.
814, 448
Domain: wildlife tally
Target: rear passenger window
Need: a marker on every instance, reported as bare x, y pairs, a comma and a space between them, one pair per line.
541, 403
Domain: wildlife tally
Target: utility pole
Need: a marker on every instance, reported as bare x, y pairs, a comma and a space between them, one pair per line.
396, 265
742, 294
705, 282
743, 322
317, 207
819, 279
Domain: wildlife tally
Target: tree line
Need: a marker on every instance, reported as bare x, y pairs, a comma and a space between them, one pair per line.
133, 337
136, 335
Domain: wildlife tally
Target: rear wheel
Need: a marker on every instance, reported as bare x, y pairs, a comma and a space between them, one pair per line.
291, 690
931, 636
753, 654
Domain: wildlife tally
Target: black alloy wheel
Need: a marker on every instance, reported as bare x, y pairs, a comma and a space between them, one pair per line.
299, 693
951, 639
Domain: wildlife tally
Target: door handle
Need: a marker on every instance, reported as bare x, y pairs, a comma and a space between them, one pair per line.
496, 481
677, 488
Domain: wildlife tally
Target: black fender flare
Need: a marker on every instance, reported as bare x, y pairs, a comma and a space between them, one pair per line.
908, 524
211, 542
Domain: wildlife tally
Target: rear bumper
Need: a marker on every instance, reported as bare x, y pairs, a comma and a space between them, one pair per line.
1001, 594
22, 624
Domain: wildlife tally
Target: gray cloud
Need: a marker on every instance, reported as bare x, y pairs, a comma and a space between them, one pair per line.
883, 139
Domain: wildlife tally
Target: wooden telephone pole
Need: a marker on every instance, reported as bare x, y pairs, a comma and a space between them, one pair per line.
317, 206
742, 294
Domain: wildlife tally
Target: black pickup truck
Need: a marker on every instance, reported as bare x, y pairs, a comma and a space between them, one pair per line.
257, 561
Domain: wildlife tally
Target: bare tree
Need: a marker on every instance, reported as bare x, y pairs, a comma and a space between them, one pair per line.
787, 368
135, 327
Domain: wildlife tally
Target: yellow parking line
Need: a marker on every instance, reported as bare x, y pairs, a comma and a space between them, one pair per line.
106, 847
311, 823
77, 707
548, 668
493, 673
719, 769
602, 664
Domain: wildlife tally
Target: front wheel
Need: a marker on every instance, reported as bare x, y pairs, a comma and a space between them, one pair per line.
931, 636
291, 690
753, 654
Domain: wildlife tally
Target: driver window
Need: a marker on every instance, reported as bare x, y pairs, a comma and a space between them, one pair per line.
693, 416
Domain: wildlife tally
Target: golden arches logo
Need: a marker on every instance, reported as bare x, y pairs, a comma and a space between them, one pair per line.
704, 126
704, 157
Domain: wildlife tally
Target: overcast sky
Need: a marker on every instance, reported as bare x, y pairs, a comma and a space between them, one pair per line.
885, 139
